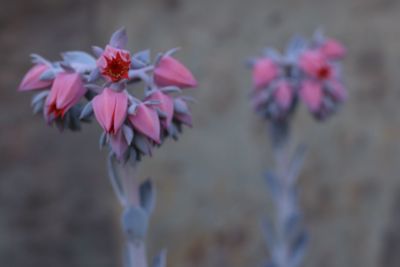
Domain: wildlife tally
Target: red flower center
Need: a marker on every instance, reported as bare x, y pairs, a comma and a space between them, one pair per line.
117, 68
55, 111
324, 72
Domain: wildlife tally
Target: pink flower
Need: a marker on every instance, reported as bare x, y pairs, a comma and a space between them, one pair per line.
146, 121
165, 105
316, 64
322, 89
311, 94
67, 90
31, 80
171, 72
110, 109
283, 95
275, 101
114, 63
332, 49
264, 71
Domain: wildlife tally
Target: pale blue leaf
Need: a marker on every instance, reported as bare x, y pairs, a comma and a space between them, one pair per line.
147, 195
119, 39
135, 223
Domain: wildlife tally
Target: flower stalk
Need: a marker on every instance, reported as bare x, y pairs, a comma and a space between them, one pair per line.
81, 87
286, 237
307, 72
136, 213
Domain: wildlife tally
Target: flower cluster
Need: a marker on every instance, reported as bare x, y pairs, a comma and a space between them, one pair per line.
309, 71
80, 85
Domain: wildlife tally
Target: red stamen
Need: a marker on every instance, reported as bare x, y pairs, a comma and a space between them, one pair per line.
55, 111
324, 72
117, 68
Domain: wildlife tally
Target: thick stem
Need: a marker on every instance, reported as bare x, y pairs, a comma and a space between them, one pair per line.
279, 135
136, 249
289, 237
283, 205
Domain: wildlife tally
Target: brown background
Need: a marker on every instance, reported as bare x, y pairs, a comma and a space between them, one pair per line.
57, 208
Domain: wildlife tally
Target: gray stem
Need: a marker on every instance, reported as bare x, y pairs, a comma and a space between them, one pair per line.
136, 249
126, 187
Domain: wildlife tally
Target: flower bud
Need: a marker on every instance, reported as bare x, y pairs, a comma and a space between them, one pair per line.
66, 91
146, 121
31, 80
171, 72
110, 109
264, 71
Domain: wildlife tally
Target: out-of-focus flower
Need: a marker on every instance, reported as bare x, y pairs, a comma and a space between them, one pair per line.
31, 80
171, 72
307, 70
322, 89
315, 64
273, 93
264, 71
66, 91
276, 101
332, 49
114, 63
145, 120
110, 109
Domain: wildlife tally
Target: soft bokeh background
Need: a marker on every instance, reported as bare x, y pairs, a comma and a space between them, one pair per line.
57, 208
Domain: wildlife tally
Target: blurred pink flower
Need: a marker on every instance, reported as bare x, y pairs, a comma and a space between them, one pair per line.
322, 88
333, 49
283, 95
146, 121
66, 91
264, 71
311, 94
114, 63
171, 72
110, 109
317, 65
31, 80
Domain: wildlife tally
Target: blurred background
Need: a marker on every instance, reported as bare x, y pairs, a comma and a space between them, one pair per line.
57, 207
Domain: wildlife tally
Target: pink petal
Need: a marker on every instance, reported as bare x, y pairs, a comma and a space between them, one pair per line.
283, 95
171, 72
166, 105
312, 61
118, 144
121, 109
311, 94
146, 121
111, 52
69, 88
264, 71
332, 49
100, 107
31, 79
110, 109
